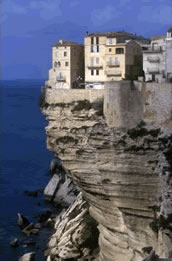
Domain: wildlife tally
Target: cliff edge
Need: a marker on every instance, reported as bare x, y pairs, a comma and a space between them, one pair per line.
116, 144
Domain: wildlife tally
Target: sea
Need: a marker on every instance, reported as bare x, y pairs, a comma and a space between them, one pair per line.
24, 165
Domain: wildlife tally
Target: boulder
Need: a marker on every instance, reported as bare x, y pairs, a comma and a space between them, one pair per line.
30, 230
14, 242
76, 233
28, 257
66, 193
22, 221
55, 166
51, 188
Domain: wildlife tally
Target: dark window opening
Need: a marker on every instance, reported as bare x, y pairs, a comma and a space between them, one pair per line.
92, 40
119, 50
65, 53
66, 63
110, 49
92, 72
97, 72
92, 49
97, 48
97, 40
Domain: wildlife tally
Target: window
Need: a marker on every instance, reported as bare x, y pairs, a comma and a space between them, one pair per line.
97, 72
110, 49
57, 64
110, 40
92, 40
92, 49
110, 60
119, 50
97, 47
97, 40
66, 63
92, 72
97, 60
116, 60
65, 53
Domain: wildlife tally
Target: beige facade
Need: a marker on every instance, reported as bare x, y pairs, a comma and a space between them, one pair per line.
111, 57
67, 65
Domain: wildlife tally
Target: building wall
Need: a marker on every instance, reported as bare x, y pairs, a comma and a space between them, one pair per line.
77, 64
71, 59
118, 72
61, 73
109, 64
154, 60
133, 61
91, 64
169, 58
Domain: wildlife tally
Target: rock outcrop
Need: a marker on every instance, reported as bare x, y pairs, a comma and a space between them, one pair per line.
125, 173
76, 234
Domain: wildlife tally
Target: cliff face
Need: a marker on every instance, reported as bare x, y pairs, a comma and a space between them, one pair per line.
122, 166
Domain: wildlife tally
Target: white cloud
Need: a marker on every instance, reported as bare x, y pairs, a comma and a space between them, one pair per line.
161, 14
100, 17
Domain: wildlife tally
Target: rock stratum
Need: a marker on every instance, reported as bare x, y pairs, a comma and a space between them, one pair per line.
116, 145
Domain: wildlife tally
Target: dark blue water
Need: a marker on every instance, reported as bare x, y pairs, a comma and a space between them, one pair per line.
24, 163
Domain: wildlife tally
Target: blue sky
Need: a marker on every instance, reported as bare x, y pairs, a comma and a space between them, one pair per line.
30, 27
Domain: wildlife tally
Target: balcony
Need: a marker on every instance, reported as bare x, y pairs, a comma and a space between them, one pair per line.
95, 66
61, 78
113, 64
113, 73
154, 49
155, 59
153, 70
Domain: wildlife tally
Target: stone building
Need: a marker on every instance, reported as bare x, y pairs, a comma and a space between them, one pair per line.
111, 57
157, 59
67, 65
169, 55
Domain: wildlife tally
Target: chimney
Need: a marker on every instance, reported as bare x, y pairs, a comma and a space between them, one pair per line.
61, 41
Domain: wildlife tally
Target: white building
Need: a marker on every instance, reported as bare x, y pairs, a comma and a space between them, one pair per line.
157, 59
169, 55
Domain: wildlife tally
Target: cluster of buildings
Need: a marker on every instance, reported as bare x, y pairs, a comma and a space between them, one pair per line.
111, 56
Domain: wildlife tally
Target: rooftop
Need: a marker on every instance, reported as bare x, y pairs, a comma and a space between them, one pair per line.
120, 34
66, 43
158, 37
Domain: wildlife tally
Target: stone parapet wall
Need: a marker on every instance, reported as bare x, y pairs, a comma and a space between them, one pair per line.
126, 104
54, 96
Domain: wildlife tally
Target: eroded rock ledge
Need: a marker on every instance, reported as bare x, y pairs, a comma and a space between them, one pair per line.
122, 166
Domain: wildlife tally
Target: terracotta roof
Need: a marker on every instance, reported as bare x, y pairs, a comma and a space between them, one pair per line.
66, 43
170, 30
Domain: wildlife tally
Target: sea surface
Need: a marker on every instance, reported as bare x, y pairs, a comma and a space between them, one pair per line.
24, 164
